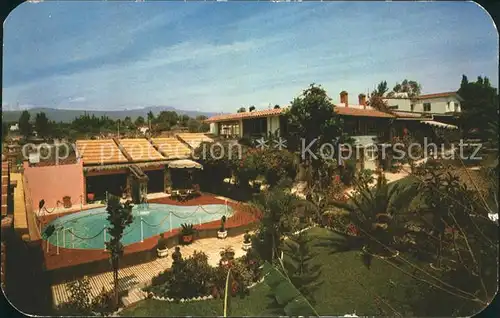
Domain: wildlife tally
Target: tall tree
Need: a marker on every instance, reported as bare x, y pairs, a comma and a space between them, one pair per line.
410, 87
378, 103
312, 123
151, 116
381, 89
127, 122
42, 125
183, 120
277, 207
194, 125
167, 117
139, 121
25, 127
299, 265
119, 217
480, 105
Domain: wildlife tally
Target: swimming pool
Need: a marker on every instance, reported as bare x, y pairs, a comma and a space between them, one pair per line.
85, 230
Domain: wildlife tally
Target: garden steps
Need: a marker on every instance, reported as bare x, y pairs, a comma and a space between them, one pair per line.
141, 275
134, 295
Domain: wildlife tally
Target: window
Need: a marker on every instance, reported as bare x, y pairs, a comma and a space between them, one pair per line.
371, 127
394, 107
457, 107
427, 107
412, 107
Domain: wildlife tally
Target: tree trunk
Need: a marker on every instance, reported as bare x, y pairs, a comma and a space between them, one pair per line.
115, 278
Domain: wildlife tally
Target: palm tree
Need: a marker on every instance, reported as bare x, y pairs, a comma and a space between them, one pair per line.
377, 213
277, 208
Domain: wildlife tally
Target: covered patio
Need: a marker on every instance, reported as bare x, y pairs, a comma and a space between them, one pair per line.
184, 178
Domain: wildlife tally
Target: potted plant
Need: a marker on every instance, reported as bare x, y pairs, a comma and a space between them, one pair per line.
187, 233
90, 196
247, 242
222, 233
227, 256
161, 246
67, 202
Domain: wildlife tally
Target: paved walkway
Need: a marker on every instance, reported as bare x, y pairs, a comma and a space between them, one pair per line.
139, 276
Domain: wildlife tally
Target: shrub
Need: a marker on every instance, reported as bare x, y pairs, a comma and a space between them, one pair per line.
243, 277
247, 237
79, 300
348, 172
188, 278
276, 165
245, 141
194, 277
227, 255
253, 262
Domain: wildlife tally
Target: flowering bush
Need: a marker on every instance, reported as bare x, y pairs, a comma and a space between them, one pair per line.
352, 230
194, 277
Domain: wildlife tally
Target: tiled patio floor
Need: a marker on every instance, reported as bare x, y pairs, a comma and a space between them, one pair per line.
139, 276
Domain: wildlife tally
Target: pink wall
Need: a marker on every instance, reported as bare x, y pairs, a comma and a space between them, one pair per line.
52, 183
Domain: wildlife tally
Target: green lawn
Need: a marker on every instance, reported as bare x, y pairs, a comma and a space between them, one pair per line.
347, 286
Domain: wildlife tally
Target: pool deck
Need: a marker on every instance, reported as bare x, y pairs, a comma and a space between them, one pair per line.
139, 276
59, 258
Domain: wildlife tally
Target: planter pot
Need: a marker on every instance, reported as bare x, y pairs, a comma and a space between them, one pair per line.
90, 196
186, 239
247, 246
162, 252
222, 235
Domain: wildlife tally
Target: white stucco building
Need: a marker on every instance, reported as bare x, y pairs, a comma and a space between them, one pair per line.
448, 103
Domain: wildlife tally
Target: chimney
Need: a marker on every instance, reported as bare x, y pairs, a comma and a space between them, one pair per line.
362, 100
344, 98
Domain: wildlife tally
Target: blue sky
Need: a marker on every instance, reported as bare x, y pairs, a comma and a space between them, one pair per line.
221, 56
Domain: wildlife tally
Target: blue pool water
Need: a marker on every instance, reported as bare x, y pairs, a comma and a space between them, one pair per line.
85, 230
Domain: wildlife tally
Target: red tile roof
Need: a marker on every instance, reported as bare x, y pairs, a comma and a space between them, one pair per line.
341, 110
140, 149
246, 115
361, 112
434, 95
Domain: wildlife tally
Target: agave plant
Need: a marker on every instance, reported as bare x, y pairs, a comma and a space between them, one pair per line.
187, 229
376, 213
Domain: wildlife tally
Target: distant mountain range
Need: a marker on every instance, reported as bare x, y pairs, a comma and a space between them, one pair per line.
67, 115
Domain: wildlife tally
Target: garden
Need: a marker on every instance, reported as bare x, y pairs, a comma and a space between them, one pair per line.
425, 245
